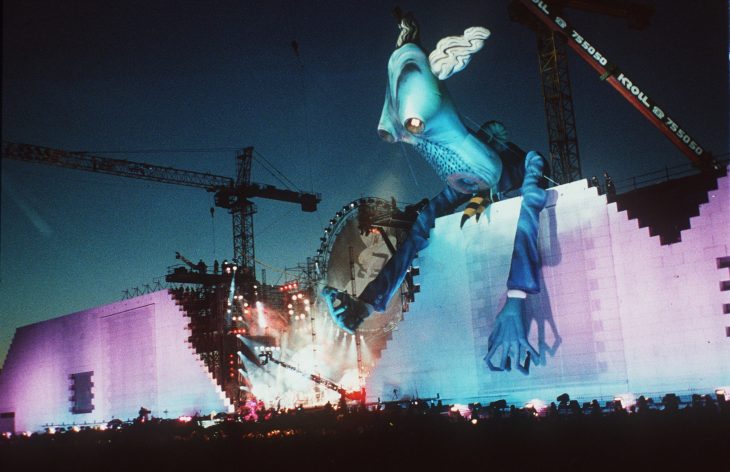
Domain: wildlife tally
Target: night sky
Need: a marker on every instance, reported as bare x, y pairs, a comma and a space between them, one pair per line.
186, 84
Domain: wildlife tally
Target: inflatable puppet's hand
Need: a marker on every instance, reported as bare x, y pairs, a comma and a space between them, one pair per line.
509, 334
346, 311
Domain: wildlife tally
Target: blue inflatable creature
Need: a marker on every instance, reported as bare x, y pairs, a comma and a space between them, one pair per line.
478, 167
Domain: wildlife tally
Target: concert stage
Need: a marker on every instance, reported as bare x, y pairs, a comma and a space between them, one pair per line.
619, 314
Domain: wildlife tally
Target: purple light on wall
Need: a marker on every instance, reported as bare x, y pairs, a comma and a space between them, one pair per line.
139, 354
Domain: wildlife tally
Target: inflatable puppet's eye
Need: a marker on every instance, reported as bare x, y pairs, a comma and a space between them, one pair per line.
384, 135
415, 125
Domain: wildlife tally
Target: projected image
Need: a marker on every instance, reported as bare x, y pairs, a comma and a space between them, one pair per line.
355, 260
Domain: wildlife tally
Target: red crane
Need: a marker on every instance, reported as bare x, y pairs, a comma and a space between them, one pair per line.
554, 33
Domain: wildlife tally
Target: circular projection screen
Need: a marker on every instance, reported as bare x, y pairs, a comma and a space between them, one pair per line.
356, 259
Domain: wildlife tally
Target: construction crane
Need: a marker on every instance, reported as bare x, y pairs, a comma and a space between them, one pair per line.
554, 35
231, 194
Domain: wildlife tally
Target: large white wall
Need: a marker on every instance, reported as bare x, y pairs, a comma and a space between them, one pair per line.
138, 351
618, 312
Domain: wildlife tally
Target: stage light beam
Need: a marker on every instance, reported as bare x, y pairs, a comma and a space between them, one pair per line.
261, 315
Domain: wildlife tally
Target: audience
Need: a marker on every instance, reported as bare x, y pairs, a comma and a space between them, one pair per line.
397, 435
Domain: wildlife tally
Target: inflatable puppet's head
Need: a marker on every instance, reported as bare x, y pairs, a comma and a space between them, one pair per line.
418, 110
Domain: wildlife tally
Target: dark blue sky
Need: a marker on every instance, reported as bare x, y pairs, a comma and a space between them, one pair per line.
161, 75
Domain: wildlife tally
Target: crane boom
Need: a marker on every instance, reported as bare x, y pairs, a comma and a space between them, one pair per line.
106, 165
229, 194
618, 79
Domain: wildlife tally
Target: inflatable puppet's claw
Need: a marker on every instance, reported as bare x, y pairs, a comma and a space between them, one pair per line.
347, 312
476, 207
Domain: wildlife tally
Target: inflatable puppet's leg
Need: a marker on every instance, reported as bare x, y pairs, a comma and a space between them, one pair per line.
351, 311
509, 330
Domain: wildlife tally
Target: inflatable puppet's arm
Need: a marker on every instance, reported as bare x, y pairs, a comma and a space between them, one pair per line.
510, 328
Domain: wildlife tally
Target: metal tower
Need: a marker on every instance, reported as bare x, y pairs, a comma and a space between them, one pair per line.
556, 91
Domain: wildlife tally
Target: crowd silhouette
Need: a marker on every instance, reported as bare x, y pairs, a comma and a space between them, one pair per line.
410, 435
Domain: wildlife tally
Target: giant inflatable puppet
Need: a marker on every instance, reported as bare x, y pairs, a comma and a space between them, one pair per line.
477, 166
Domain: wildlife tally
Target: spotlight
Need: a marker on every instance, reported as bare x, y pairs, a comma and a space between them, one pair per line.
537, 406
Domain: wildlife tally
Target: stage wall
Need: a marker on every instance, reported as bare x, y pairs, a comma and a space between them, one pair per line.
106, 363
618, 312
